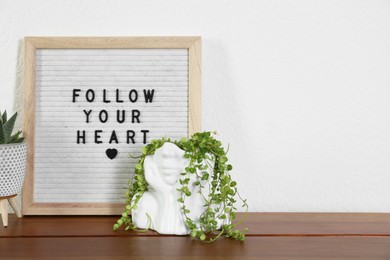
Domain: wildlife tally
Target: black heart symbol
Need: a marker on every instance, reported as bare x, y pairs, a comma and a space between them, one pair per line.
111, 153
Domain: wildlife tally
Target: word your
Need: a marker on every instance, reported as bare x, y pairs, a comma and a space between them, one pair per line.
120, 116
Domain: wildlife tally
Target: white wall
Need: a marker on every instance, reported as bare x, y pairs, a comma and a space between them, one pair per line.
300, 89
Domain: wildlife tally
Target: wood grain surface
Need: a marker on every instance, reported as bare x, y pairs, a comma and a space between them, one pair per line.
270, 236
184, 247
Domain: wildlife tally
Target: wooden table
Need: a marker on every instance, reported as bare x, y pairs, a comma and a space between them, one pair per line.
270, 236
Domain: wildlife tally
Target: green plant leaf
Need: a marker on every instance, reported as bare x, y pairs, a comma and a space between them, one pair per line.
4, 117
2, 136
15, 137
205, 176
21, 139
9, 127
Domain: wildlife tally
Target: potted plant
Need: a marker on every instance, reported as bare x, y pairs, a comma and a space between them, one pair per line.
13, 155
208, 169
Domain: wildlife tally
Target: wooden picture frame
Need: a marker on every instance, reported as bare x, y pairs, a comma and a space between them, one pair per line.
32, 44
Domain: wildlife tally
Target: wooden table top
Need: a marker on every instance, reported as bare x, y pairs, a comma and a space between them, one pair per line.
270, 236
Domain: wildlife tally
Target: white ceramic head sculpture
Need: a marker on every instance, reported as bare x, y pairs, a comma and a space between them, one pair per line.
162, 170
158, 207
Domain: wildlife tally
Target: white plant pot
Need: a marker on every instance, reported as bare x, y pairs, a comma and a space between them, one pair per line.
158, 207
12, 168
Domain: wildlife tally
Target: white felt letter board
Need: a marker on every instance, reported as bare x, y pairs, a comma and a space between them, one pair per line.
89, 102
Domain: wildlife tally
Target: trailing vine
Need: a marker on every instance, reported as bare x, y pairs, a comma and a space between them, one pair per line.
206, 155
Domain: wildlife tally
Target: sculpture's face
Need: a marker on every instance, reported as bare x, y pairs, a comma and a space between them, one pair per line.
170, 163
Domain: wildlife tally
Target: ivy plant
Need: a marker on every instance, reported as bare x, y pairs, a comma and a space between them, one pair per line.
208, 163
